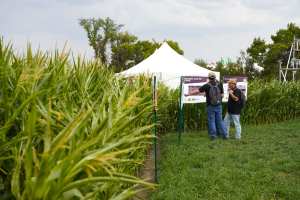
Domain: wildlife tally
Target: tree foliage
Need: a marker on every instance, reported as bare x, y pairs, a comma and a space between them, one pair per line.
268, 55
104, 35
116, 49
202, 63
262, 54
130, 54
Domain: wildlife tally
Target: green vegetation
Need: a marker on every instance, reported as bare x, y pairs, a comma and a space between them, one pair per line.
116, 49
265, 164
268, 55
265, 55
70, 128
267, 102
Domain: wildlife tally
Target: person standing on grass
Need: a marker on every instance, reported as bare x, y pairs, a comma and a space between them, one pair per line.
213, 112
234, 109
217, 128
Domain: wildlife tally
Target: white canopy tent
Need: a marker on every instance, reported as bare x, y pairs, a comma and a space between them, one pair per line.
168, 66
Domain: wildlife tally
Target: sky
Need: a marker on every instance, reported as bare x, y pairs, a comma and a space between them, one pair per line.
209, 30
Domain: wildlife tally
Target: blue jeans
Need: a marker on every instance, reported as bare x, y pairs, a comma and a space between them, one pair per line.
214, 115
217, 128
236, 120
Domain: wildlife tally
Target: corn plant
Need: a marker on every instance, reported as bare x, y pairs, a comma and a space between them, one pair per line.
70, 129
267, 102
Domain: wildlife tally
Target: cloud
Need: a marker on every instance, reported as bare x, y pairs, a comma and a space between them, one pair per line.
296, 21
48, 42
151, 13
235, 13
199, 26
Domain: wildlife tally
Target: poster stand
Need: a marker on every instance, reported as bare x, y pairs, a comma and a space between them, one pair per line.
180, 114
155, 109
197, 116
245, 113
190, 83
182, 117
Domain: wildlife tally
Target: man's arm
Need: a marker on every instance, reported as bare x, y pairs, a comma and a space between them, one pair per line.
202, 89
232, 96
222, 90
192, 93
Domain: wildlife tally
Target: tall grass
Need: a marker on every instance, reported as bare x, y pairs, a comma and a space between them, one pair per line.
71, 129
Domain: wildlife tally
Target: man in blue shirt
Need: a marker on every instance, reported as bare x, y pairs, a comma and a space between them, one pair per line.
213, 112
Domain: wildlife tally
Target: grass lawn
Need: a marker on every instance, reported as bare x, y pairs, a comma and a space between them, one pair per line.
264, 164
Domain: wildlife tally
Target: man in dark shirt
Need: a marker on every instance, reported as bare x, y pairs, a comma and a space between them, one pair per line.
214, 113
234, 109
217, 128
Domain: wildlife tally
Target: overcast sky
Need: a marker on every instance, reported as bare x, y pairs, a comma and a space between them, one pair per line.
204, 29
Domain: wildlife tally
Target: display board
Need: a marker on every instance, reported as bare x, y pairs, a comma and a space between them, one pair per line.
242, 83
189, 84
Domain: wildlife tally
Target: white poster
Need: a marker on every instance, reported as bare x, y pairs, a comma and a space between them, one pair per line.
241, 85
189, 84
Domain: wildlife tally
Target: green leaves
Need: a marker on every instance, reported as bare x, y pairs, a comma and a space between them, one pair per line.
268, 55
70, 129
100, 33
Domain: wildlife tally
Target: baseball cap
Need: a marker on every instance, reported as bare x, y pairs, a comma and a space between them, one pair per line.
232, 81
211, 75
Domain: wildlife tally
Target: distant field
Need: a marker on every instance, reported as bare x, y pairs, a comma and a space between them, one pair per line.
265, 164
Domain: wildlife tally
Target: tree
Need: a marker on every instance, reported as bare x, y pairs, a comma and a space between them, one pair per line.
242, 67
268, 55
202, 63
258, 50
104, 35
129, 54
119, 58
173, 45
120, 50
134, 53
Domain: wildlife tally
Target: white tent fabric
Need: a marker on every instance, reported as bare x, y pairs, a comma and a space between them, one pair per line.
168, 66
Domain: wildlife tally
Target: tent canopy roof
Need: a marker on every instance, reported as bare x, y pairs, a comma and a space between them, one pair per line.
169, 66
165, 59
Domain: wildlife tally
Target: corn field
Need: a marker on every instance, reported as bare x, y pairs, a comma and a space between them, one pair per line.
267, 102
72, 129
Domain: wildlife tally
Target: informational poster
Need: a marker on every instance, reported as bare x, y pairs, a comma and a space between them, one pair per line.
241, 84
155, 91
191, 83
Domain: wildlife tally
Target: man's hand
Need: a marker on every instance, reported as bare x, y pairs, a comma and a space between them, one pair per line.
232, 96
204, 94
192, 93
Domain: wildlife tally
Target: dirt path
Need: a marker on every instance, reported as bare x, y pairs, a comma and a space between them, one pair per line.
148, 171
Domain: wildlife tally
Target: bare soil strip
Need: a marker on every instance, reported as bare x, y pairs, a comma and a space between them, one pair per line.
148, 171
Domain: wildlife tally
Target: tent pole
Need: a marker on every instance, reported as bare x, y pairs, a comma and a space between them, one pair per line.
154, 86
